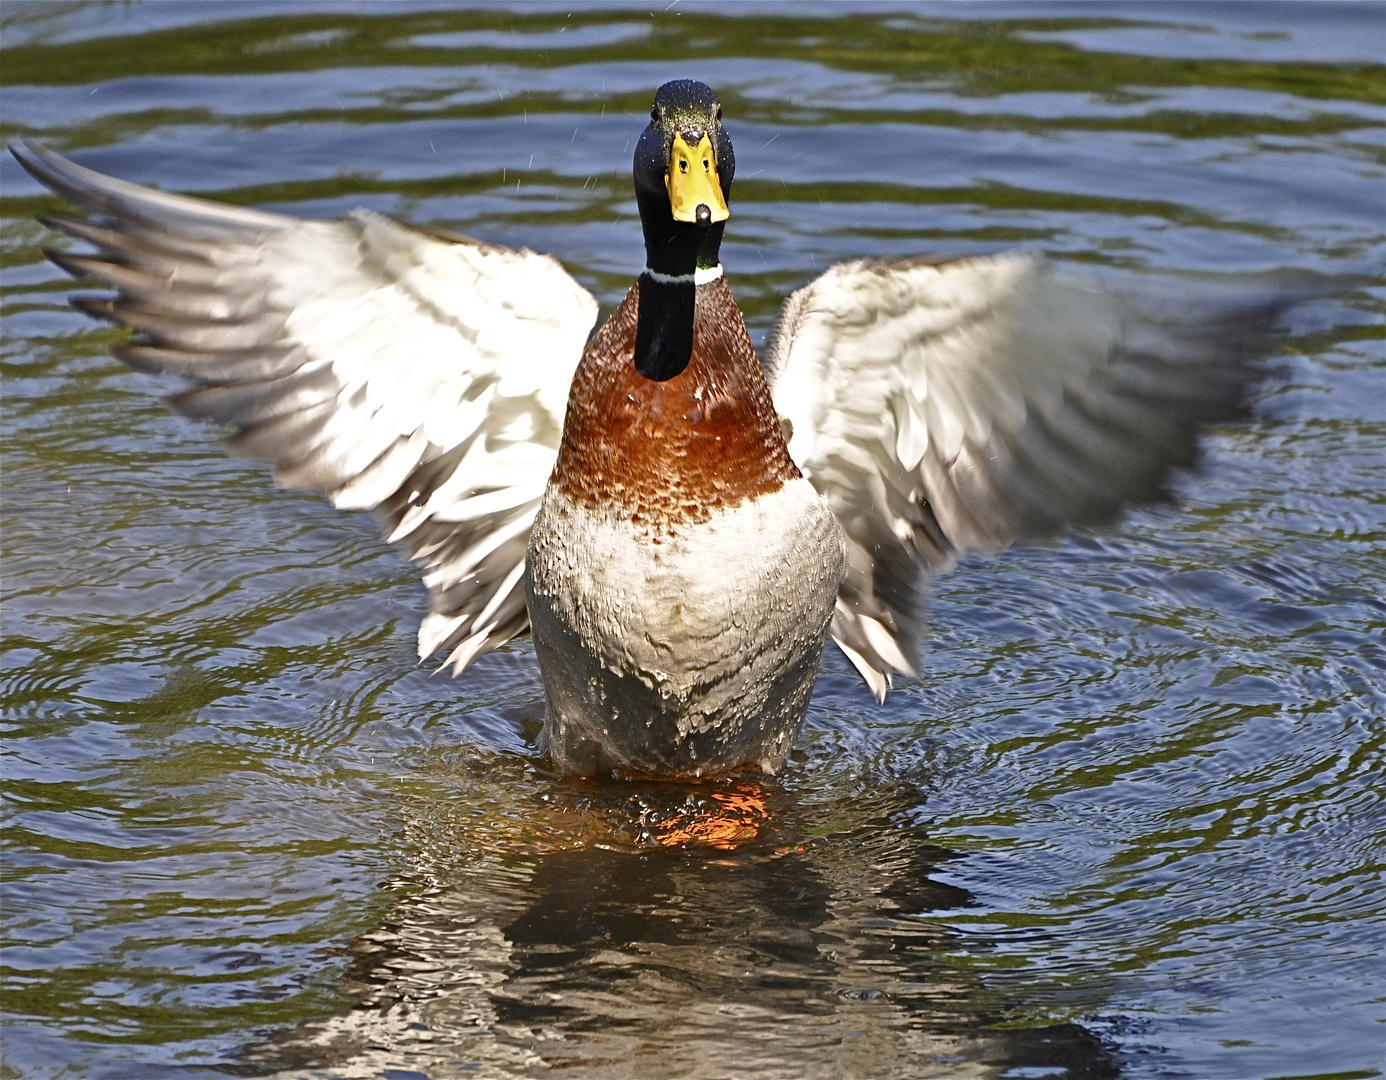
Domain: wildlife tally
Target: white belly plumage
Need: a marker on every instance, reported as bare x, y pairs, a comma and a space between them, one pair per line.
681, 651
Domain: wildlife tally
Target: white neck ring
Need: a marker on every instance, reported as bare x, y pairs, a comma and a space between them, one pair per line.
698, 277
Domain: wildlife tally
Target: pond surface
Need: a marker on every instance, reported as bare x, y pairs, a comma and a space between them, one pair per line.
1128, 822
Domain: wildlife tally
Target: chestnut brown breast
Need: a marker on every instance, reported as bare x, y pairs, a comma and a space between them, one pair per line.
674, 451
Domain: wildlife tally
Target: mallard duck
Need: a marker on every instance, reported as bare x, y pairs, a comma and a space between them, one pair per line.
681, 525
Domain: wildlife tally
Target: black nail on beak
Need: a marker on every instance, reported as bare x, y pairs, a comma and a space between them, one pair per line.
703, 213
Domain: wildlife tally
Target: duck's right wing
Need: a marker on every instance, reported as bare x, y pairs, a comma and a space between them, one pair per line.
417, 373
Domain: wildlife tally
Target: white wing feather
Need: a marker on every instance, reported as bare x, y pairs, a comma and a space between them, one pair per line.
417, 373
949, 406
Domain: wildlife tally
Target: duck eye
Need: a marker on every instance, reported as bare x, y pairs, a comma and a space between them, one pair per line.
719, 112
654, 114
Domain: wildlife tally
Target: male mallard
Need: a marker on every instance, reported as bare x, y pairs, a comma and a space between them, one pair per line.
682, 539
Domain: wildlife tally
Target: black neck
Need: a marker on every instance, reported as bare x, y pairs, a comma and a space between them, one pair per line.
674, 247
664, 326
664, 330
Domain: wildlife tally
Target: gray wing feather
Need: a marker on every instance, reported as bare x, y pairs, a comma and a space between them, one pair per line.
950, 406
415, 372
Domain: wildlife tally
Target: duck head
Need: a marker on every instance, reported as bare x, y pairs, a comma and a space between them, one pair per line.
683, 175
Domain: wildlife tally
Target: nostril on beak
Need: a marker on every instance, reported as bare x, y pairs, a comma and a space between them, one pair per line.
703, 214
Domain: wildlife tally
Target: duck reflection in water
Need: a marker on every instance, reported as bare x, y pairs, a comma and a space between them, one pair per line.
733, 929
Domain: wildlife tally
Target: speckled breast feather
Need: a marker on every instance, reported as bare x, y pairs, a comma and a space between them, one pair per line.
672, 452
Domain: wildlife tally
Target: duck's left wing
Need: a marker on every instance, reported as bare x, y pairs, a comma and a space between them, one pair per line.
417, 373
949, 406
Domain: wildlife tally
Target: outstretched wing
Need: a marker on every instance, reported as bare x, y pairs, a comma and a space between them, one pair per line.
949, 406
418, 373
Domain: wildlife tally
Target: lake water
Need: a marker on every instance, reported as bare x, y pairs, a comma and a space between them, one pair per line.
1129, 821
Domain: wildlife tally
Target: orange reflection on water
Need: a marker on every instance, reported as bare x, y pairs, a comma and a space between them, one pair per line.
724, 819
722, 814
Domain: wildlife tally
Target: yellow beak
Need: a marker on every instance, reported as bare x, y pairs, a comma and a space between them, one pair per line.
693, 182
